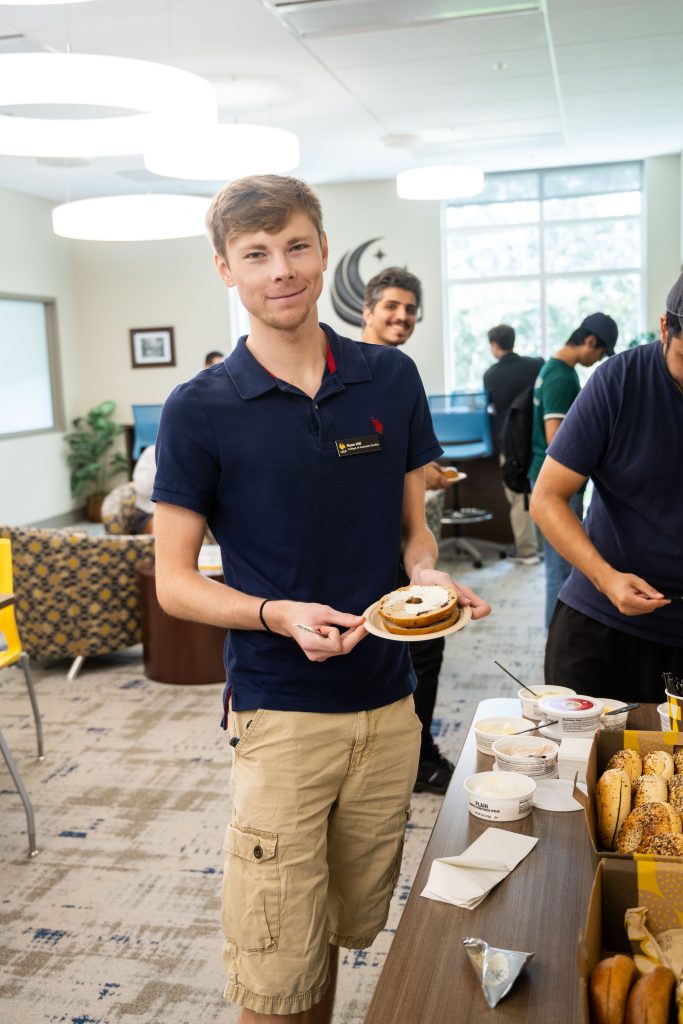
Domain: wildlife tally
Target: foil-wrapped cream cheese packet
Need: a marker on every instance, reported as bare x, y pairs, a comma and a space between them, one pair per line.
497, 969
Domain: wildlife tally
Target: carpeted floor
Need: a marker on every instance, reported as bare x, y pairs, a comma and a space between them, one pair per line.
117, 918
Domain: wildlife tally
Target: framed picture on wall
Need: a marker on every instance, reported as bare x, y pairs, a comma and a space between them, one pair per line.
152, 346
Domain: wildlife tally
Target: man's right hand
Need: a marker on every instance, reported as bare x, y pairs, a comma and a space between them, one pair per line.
632, 595
322, 638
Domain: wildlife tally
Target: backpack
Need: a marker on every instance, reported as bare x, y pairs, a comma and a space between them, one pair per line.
516, 442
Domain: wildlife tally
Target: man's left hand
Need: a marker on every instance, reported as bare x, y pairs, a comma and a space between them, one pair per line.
426, 577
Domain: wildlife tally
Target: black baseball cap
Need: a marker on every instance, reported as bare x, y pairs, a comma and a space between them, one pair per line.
604, 328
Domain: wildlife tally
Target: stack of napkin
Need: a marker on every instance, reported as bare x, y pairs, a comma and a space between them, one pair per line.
466, 880
573, 757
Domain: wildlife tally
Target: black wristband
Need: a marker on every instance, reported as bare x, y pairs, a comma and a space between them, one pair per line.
260, 615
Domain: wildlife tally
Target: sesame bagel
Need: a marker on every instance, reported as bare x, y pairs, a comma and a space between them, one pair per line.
629, 761
646, 820
419, 609
668, 844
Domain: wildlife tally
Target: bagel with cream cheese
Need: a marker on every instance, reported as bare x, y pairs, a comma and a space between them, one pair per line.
419, 609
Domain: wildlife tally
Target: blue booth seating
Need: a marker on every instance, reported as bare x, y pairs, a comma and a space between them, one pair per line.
462, 426
146, 422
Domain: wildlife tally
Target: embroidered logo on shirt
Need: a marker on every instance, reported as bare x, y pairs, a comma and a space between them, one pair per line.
377, 425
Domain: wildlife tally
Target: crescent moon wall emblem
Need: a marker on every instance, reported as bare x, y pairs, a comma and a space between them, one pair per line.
348, 286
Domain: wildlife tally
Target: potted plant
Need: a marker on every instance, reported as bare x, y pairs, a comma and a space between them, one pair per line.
89, 458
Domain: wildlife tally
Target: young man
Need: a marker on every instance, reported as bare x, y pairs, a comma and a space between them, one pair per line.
390, 307
615, 629
505, 380
321, 718
557, 386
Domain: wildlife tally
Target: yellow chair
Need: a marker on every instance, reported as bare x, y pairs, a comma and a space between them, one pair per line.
13, 654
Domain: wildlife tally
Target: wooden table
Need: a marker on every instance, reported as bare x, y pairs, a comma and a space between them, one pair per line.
175, 650
540, 908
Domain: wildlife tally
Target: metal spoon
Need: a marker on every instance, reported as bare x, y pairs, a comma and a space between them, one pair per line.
541, 725
523, 685
621, 711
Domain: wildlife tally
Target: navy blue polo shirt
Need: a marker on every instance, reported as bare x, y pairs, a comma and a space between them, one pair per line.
625, 432
294, 520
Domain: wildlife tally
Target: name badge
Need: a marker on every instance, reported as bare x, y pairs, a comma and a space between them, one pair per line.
358, 445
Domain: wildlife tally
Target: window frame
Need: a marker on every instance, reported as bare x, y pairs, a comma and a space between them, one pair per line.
543, 276
49, 304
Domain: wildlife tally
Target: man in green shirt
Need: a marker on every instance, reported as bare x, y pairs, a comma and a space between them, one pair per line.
557, 385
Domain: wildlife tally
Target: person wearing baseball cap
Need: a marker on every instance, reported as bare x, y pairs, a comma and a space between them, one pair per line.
618, 622
556, 388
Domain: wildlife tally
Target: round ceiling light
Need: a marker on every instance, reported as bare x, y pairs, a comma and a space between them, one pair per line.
133, 218
147, 89
38, 3
447, 182
223, 152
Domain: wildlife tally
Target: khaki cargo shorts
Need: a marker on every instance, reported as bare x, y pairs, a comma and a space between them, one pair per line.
320, 805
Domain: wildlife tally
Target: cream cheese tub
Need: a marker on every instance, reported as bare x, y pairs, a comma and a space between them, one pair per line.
530, 707
499, 796
488, 730
530, 755
613, 723
576, 716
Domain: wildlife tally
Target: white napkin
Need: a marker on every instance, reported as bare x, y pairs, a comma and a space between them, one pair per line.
555, 795
467, 879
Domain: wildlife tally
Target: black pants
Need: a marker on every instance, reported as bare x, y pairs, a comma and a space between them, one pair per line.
426, 656
604, 662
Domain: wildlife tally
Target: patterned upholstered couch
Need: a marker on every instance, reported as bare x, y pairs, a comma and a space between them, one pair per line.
76, 592
118, 509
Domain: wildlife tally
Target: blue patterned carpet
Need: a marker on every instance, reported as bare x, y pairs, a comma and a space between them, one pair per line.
117, 919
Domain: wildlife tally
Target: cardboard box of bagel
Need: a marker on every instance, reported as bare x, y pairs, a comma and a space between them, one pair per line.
631, 949
627, 773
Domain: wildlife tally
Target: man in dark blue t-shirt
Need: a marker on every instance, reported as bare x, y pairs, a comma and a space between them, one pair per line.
616, 629
304, 453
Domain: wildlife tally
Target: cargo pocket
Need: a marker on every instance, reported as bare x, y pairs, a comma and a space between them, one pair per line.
399, 856
251, 889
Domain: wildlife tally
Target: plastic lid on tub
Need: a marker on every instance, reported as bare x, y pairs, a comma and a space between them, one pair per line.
576, 706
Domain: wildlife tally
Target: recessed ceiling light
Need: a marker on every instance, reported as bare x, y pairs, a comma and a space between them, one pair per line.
223, 153
500, 66
445, 182
134, 218
88, 80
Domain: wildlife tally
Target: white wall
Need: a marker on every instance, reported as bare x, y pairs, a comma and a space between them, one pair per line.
409, 235
34, 262
662, 234
124, 285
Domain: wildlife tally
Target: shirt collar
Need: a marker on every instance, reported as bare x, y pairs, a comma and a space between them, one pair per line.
252, 379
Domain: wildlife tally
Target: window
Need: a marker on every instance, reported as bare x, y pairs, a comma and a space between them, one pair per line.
540, 250
30, 396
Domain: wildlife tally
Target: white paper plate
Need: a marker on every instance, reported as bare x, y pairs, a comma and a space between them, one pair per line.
374, 625
456, 479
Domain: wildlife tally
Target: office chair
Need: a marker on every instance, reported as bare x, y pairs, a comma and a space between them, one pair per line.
462, 426
146, 422
13, 654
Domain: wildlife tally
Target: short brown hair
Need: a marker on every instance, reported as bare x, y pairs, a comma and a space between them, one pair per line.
391, 277
503, 336
261, 202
